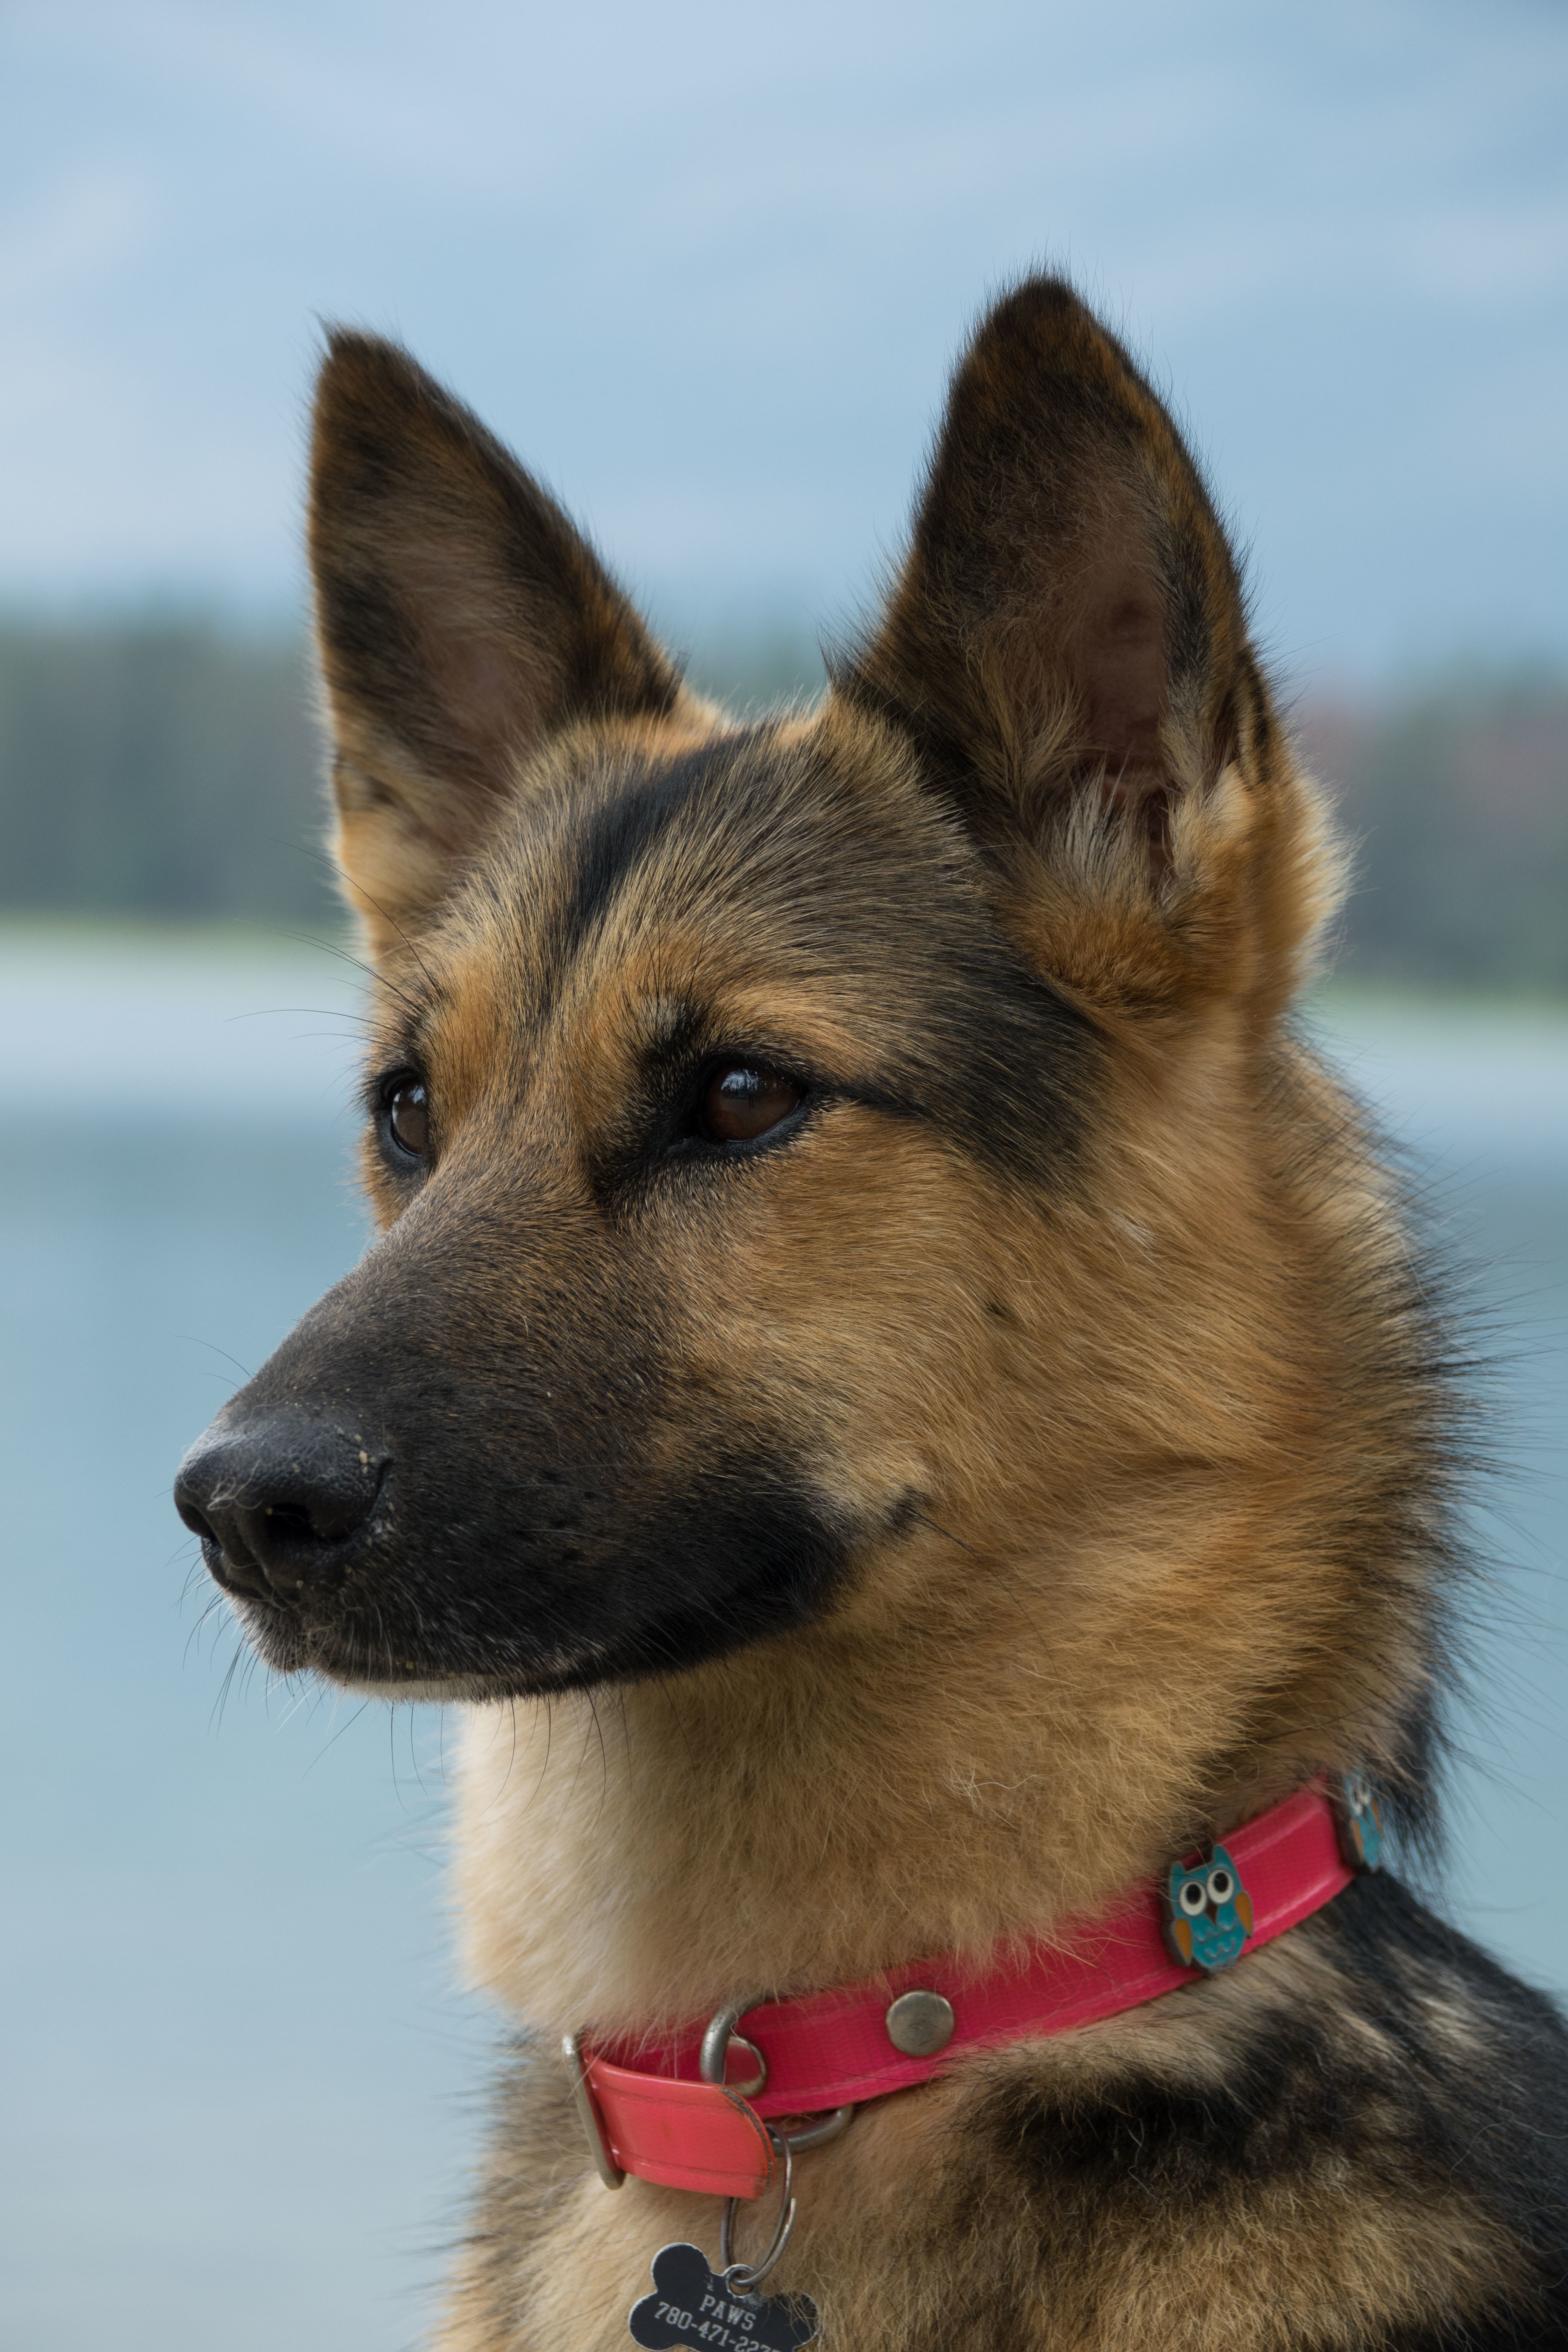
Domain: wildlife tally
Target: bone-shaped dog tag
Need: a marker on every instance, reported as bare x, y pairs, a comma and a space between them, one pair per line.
691, 2304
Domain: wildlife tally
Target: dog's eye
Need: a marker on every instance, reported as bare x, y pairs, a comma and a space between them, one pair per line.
743, 1102
408, 1116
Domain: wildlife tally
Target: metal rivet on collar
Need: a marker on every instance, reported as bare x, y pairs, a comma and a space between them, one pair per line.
920, 2024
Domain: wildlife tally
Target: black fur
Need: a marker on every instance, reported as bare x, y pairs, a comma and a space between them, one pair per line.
1462, 2084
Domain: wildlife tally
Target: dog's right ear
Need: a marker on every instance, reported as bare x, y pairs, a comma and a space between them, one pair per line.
462, 620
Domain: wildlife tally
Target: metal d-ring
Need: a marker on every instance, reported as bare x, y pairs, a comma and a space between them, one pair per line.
716, 2041
720, 2032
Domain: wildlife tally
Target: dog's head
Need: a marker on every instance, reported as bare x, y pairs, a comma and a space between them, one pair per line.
812, 1156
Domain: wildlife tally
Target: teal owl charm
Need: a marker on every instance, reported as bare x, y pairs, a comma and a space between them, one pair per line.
1209, 1912
1357, 1821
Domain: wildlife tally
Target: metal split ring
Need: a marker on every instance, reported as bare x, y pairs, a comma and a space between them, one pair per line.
742, 2278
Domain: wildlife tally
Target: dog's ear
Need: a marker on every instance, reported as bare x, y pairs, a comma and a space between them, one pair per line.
1066, 646
462, 620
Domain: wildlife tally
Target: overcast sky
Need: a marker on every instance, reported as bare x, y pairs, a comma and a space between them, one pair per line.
706, 265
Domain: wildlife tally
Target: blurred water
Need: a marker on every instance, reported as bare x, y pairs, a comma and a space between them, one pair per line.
240, 2092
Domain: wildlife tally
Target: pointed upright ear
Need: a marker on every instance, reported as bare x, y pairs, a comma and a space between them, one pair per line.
1067, 646
462, 620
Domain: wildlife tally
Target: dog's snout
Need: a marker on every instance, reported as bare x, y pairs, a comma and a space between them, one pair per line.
281, 1504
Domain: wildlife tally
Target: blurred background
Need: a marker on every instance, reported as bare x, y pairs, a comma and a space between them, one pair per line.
706, 269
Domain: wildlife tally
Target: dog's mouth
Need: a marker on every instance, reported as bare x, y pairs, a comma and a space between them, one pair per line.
338, 1611
384, 1651
368, 1651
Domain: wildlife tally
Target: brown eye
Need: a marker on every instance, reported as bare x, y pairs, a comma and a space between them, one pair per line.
408, 1116
743, 1102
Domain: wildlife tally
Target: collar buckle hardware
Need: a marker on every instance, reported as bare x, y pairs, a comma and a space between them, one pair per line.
588, 2115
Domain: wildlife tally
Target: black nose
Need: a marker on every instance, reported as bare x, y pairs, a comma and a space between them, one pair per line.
281, 1503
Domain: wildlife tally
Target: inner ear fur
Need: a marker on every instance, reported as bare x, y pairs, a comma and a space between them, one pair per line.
1065, 644
462, 620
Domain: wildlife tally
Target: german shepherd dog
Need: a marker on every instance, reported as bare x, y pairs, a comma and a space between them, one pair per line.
894, 1390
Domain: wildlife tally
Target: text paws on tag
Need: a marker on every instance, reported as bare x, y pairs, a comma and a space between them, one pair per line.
691, 2305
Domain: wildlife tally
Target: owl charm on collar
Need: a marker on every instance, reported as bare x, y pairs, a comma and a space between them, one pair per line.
1358, 1821
1209, 1912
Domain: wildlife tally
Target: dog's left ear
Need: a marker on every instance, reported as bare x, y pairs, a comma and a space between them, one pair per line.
1067, 646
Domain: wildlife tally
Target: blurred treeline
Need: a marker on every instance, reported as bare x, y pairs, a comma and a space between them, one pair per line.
170, 768
1455, 794
158, 767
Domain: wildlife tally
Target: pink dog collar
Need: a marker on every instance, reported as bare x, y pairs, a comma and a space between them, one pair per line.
660, 2120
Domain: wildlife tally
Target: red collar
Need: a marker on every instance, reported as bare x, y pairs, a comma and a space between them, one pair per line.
832, 2049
